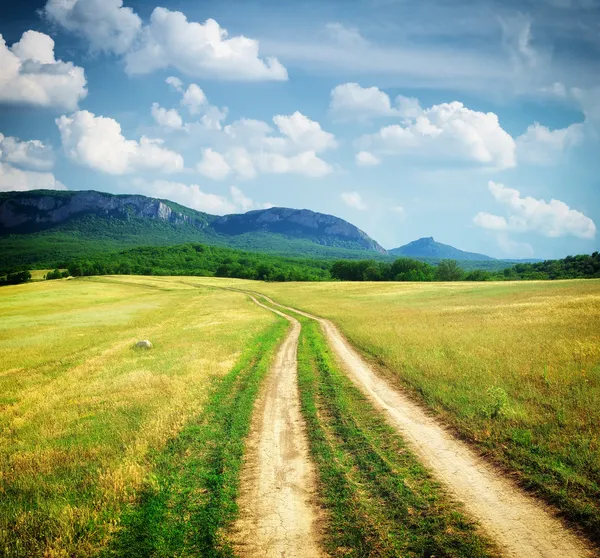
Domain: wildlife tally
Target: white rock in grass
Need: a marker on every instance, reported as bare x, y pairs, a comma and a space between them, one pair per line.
145, 344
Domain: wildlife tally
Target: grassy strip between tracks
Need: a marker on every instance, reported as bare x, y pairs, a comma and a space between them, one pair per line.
191, 496
381, 501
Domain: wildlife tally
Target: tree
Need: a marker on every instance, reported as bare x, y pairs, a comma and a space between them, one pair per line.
448, 270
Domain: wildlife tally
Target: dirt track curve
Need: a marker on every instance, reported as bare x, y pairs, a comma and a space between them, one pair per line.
521, 525
277, 514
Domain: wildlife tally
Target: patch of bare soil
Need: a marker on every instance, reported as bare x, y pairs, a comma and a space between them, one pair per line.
278, 517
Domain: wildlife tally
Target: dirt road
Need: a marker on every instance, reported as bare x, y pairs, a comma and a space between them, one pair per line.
277, 514
519, 523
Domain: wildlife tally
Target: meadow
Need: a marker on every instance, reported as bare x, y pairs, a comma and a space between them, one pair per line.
514, 368
89, 425
110, 450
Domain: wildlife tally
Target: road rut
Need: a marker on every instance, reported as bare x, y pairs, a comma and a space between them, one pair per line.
520, 524
277, 514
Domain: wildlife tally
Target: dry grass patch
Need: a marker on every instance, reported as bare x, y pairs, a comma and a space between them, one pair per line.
513, 367
80, 408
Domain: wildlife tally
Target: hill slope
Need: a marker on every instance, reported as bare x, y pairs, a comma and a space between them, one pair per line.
45, 226
429, 248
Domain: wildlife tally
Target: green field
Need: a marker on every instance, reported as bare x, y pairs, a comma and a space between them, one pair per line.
514, 368
111, 450
87, 423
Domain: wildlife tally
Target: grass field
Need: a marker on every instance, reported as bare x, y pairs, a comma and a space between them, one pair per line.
512, 367
88, 425
381, 500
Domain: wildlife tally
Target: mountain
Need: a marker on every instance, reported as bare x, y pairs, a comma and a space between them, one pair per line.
429, 248
46, 226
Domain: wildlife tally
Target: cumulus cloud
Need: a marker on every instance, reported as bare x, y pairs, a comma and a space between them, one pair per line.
306, 163
366, 159
106, 24
22, 164
31, 75
191, 195
249, 147
175, 83
199, 49
213, 165
351, 101
15, 179
449, 131
196, 104
542, 146
97, 142
354, 200
304, 133
170, 119
33, 154
524, 214
193, 98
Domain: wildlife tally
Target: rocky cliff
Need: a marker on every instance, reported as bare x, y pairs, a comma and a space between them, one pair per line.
41, 209
298, 223
277, 228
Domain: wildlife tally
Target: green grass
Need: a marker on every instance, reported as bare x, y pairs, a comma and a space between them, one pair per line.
513, 368
190, 498
83, 415
380, 499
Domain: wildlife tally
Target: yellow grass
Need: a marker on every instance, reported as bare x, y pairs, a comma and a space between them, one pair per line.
80, 408
514, 367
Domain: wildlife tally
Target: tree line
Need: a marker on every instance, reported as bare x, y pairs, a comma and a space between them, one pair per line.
201, 260
406, 269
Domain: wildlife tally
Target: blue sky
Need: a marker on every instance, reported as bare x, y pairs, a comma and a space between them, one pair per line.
476, 122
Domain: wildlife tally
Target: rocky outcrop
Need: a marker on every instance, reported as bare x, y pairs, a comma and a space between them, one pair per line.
298, 223
28, 212
42, 209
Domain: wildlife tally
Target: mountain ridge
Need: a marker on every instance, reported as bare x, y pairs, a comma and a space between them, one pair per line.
427, 247
68, 223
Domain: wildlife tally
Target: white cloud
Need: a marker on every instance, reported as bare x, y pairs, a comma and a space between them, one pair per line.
170, 118
304, 133
249, 147
366, 159
542, 146
106, 24
517, 38
491, 222
33, 154
14, 179
448, 131
97, 142
551, 219
354, 200
22, 163
306, 163
196, 102
193, 98
175, 83
213, 165
399, 210
361, 102
243, 203
31, 75
350, 100
191, 195
199, 49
